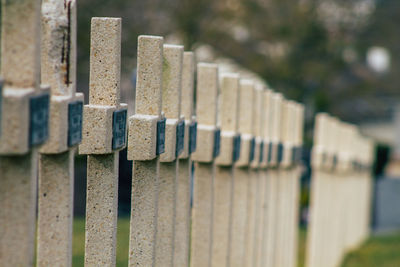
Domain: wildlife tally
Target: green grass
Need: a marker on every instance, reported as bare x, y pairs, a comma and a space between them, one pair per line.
382, 251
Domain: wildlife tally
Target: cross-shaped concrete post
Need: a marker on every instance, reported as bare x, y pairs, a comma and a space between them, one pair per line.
288, 180
56, 162
270, 186
333, 214
327, 195
239, 199
295, 189
145, 143
174, 138
282, 185
104, 134
24, 126
223, 184
261, 247
183, 187
313, 249
208, 148
274, 155
255, 180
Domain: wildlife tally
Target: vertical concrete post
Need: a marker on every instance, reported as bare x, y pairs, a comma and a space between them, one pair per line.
56, 162
104, 134
239, 199
297, 171
174, 137
208, 136
146, 141
274, 157
283, 185
293, 185
224, 176
24, 126
183, 187
251, 196
313, 245
262, 249
328, 194
256, 183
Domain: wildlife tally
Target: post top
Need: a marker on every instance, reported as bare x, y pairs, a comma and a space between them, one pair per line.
231, 75
267, 113
258, 110
20, 44
207, 93
277, 99
229, 102
187, 85
247, 98
207, 65
172, 81
58, 54
246, 82
150, 37
105, 61
149, 75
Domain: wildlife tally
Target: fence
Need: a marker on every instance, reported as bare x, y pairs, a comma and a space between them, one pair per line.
341, 191
243, 139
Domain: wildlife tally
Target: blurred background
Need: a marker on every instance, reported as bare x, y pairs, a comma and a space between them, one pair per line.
337, 56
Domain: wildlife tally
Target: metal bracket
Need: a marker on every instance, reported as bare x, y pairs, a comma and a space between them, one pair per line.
75, 114
119, 129
160, 146
38, 119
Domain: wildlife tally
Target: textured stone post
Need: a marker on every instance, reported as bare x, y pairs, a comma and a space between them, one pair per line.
183, 187
104, 134
24, 126
283, 196
224, 176
262, 179
316, 206
56, 162
206, 151
256, 183
289, 162
262, 245
145, 143
239, 199
174, 137
274, 157
295, 186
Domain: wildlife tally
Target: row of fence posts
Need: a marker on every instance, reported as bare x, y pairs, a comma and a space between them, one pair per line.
245, 144
340, 192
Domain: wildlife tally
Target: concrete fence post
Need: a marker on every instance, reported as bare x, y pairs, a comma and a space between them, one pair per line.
56, 161
184, 185
24, 126
239, 198
224, 176
208, 136
146, 141
274, 157
104, 134
169, 166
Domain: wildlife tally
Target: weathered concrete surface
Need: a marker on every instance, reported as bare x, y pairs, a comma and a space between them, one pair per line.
202, 214
222, 214
101, 210
146, 165
18, 196
55, 209
143, 212
239, 205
